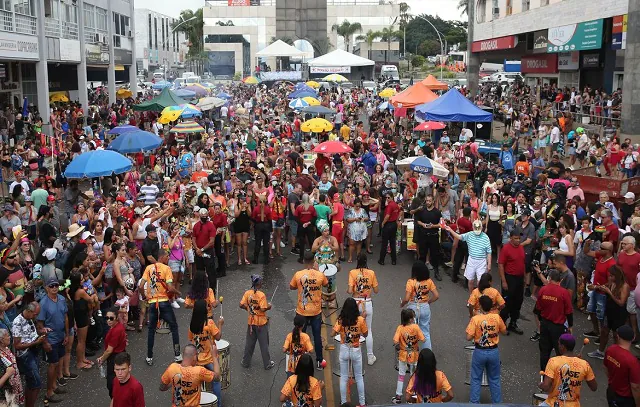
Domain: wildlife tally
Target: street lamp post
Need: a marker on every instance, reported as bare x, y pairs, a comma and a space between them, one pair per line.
165, 60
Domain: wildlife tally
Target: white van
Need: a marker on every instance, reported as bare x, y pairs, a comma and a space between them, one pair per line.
158, 76
390, 71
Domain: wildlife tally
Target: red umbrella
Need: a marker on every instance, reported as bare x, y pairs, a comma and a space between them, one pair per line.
332, 147
426, 126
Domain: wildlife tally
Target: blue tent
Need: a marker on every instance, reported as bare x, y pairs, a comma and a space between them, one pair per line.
302, 93
452, 107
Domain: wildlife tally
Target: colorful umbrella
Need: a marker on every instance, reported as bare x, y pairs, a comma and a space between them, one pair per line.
135, 141
311, 101
428, 126
188, 127
387, 93
313, 84
332, 147
58, 97
334, 77
425, 165
198, 89
183, 111
385, 106
98, 163
210, 102
302, 93
297, 104
251, 80
123, 93
316, 125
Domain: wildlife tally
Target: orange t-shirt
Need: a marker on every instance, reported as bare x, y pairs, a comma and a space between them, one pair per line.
302, 399
523, 167
362, 282
157, 276
204, 342
420, 290
350, 335
255, 301
211, 301
309, 283
485, 329
196, 175
408, 336
490, 292
442, 384
186, 382
567, 374
295, 350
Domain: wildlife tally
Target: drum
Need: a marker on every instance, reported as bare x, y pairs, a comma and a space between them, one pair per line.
336, 360
330, 271
468, 350
538, 398
224, 353
208, 399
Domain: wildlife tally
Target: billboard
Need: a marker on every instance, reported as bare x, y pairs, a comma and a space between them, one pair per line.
619, 32
494, 44
576, 37
543, 63
238, 2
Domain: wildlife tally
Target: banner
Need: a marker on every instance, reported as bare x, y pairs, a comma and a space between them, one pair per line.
569, 61
619, 32
546, 63
281, 76
494, 44
590, 60
540, 41
238, 2
576, 37
330, 69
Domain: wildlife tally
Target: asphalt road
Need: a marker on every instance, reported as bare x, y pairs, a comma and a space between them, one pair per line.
257, 387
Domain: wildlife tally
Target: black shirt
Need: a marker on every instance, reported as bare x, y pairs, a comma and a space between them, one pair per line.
429, 216
150, 247
214, 178
383, 201
295, 200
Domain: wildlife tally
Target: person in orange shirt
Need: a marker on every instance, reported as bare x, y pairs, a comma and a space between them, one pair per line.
200, 291
362, 282
186, 378
302, 389
351, 327
484, 330
484, 288
296, 344
309, 283
255, 302
406, 339
198, 173
427, 383
522, 166
420, 293
564, 375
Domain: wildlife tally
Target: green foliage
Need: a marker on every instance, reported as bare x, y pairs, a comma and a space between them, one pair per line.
429, 47
237, 76
192, 29
417, 61
346, 31
463, 6
418, 31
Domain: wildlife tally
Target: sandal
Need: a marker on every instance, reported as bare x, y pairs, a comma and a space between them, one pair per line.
139, 329
247, 262
84, 366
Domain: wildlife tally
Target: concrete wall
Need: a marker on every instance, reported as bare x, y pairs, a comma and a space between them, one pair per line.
371, 17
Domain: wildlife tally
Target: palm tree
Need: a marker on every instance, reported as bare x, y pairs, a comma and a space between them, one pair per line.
283, 39
346, 31
463, 6
194, 32
321, 46
389, 34
369, 37
405, 17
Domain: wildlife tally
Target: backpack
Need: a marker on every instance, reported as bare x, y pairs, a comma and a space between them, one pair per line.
369, 160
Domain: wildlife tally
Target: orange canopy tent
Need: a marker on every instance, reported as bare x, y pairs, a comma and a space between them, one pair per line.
413, 96
433, 84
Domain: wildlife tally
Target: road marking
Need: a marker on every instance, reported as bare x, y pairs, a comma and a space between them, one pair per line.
328, 370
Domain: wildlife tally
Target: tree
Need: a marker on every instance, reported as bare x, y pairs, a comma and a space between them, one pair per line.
221, 23
346, 31
405, 17
463, 6
321, 46
417, 61
389, 34
369, 38
429, 47
418, 30
193, 29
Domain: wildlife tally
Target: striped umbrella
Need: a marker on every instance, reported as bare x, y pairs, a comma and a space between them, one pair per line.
334, 77
297, 104
185, 111
251, 80
188, 127
311, 101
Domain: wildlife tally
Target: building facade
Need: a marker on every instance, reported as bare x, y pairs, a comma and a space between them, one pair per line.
61, 46
158, 47
235, 30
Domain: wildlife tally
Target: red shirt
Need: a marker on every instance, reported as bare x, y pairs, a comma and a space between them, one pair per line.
203, 233
129, 394
116, 338
602, 269
512, 258
255, 214
623, 369
305, 215
320, 162
630, 265
613, 236
393, 210
554, 303
464, 225
219, 220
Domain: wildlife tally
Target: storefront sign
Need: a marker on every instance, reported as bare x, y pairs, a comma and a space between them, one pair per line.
18, 46
569, 61
576, 37
330, 69
122, 56
97, 54
494, 44
540, 41
238, 2
547, 63
619, 32
591, 60
69, 50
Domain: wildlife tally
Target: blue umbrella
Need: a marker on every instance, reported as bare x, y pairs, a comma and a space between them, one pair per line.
425, 165
98, 163
184, 93
161, 85
385, 105
223, 95
304, 86
135, 141
297, 104
302, 93
25, 107
318, 110
122, 129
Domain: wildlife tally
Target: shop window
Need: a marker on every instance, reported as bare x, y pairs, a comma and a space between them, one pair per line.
526, 4
15, 72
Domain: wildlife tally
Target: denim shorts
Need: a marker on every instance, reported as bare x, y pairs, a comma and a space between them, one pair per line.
176, 266
597, 304
29, 369
57, 353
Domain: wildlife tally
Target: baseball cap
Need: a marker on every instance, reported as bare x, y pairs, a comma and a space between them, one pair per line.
305, 172
52, 281
203, 212
630, 195
50, 254
150, 228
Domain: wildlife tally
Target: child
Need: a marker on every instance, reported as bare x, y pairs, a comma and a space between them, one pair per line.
296, 344
406, 339
88, 287
122, 303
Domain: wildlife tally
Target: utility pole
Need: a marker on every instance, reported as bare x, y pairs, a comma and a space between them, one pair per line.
473, 61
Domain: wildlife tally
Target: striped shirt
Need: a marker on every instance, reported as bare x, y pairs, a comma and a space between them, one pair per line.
150, 193
479, 245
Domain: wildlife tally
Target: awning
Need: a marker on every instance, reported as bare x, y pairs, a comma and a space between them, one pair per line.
119, 67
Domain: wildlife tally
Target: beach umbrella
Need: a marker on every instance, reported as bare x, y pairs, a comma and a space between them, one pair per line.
223, 95
302, 93
297, 104
135, 141
251, 80
188, 127
123, 93
58, 97
311, 101
187, 111
122, 129
210, 102
428, 126
199, 90
318, 110
161, 85
425, 165
332, 147
184, 93
387, 93
313, 84
98, 163
316, 125
334, 77
385, 106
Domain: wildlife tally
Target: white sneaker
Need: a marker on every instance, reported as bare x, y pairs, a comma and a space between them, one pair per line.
177, 358
282, 244
180, 300
371, 359
273, 246
175, 305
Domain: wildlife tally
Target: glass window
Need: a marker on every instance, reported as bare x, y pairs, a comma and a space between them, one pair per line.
5, 5
25, 7
89, 15
101, 19
71, 13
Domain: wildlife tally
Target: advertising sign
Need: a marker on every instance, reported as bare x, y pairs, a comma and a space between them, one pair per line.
547, 63
619, 32
494, 44
576, 37
97, 54
238, 2
591, 60
69, 50
569, 61
330, 69
122, 56
540, 41
18, 46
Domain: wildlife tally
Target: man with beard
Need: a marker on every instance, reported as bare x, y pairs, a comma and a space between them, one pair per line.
428, 218
204, 237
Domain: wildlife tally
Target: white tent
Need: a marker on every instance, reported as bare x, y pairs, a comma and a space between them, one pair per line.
280, 49
340, 58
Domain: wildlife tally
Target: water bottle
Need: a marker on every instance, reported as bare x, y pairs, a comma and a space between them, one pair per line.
103, 370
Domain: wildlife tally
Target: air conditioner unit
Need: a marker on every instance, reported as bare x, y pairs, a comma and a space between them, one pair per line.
96, 37
105, 39
496, 11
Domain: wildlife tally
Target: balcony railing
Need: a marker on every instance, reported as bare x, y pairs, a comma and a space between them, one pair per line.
61, 29
6, 20
90, 35
26, 24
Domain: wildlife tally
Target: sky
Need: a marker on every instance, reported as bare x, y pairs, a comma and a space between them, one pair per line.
445, 9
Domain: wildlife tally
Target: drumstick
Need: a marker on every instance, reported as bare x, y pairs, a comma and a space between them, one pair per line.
584, 343
220, 300
274, 294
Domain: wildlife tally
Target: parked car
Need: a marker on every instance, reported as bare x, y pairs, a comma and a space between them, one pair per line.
369, 85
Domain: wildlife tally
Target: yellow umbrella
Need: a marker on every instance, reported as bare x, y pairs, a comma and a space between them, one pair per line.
387, 93
251, 80
58, 97
123, 93
313, 84
316, 125
311, 101
334, 77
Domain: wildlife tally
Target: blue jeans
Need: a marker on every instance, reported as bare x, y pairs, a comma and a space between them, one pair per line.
423, 319
316, 324
597, 304
29, 369
165, 312
488, 359
217, 387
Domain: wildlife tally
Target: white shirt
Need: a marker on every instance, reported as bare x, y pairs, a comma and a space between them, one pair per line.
224, 111
555, 134
25, 186
157, 127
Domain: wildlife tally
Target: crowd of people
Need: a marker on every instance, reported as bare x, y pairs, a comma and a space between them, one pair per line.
85, 265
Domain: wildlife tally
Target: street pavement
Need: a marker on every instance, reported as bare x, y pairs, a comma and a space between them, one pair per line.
256, 387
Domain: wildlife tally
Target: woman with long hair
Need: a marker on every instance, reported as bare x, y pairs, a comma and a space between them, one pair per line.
177, 255
484, 288
406, 340
357, 219
351, 327
203, 333
492, 223
302, 389
420, 293
81, 300
362, 284
296, 344
241, 227
566, 246
81, 217
200, 291
427, 383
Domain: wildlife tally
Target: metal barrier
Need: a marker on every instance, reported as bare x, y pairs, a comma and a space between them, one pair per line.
25, 24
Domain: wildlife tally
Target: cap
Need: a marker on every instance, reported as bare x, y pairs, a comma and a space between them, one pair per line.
526, 212
630, 195
305, 172
203, 212
625, 332
150, 228
52, 281
28, 199
85, 235
10, 208
255, 279
50, 254
51, 198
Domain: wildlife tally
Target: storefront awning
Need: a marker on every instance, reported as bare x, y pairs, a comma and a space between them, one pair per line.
119, 67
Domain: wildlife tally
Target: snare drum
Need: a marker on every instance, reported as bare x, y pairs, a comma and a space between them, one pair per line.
208, 399
330, 271
224, 353
538, 398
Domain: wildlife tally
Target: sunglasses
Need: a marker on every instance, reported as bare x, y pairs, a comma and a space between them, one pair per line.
13, 256
54, 285
110, 318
